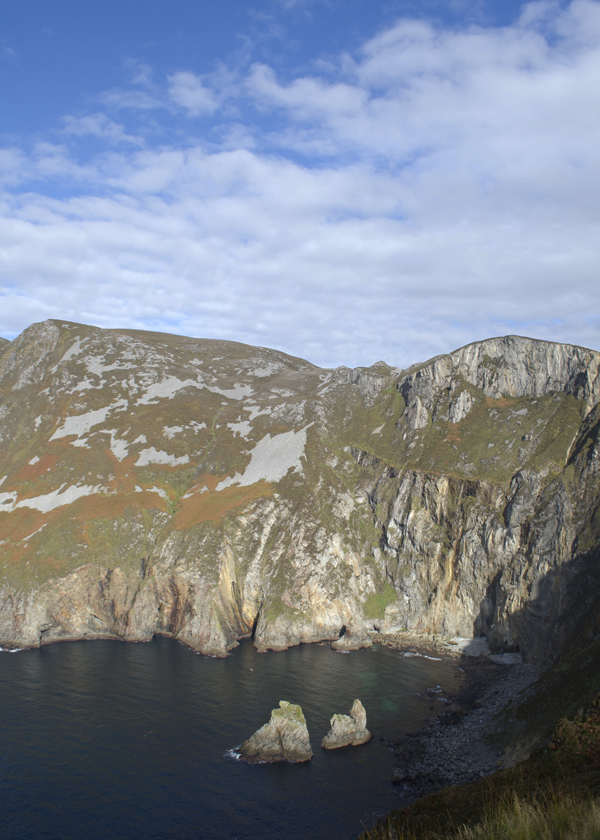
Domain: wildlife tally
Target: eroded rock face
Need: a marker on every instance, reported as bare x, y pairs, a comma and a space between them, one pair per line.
353, 639
348, 730
284, 738
208, 490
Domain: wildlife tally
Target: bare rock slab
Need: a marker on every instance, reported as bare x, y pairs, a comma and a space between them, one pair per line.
348, 730
284, 738
353, 639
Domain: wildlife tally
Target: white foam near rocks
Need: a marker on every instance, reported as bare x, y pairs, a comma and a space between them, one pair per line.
414, 653
154, 456
271, 459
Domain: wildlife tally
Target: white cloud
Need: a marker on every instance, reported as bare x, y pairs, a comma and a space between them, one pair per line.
188, 91
99, 125
438, 187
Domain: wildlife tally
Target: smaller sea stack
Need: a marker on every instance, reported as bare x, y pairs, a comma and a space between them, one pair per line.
348, 730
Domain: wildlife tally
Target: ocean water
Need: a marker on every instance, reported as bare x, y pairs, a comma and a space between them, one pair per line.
107, 740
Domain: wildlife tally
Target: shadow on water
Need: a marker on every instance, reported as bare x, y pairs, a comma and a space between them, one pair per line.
108, 740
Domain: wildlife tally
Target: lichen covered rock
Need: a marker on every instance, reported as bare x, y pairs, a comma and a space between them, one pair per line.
284, 738
348, 730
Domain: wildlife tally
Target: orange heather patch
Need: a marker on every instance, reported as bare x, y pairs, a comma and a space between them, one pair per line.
501, 402
17, 529
102, 506
122, 471
50, 561
453, 433
210, 481
19, 524
14, 552
32, 471
211, 506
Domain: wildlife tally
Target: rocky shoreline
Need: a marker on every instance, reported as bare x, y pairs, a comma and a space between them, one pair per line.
461, 744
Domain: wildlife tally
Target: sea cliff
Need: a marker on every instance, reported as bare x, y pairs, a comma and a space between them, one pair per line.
208, 490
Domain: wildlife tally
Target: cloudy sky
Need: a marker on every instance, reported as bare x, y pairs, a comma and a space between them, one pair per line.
345, 180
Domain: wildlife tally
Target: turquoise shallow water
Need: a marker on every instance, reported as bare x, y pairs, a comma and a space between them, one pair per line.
112, 741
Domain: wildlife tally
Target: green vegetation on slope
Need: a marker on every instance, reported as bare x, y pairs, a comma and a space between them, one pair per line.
556, 818
566, 770
375, 604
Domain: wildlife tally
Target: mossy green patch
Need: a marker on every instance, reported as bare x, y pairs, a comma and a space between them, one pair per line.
375, 605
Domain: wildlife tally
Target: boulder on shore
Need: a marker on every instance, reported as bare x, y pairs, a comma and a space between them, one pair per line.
348, 730
283, 738
353, 639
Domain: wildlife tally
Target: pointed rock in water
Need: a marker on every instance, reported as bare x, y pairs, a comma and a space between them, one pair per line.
348, 730
283, 738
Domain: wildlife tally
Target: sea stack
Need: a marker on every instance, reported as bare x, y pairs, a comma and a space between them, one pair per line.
283, 738
348, 730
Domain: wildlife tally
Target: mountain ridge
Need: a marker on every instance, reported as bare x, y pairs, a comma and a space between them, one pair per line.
209, 490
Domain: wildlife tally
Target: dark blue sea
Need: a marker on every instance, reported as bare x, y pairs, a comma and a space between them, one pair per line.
117, 741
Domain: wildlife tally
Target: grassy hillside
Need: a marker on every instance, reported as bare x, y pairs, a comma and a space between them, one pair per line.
566, 769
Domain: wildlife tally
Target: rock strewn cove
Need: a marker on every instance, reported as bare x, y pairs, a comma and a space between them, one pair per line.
208, 490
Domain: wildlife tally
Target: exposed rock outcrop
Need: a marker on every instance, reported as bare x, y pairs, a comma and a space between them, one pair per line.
353, 639
284, 738
348, 730
208, 490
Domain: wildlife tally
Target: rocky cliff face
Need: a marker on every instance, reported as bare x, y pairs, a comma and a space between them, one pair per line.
209, 490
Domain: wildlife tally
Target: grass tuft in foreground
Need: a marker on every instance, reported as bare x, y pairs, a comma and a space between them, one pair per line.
556, 819
559, 780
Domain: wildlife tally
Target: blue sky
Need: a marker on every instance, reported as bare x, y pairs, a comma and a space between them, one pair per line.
346, 181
